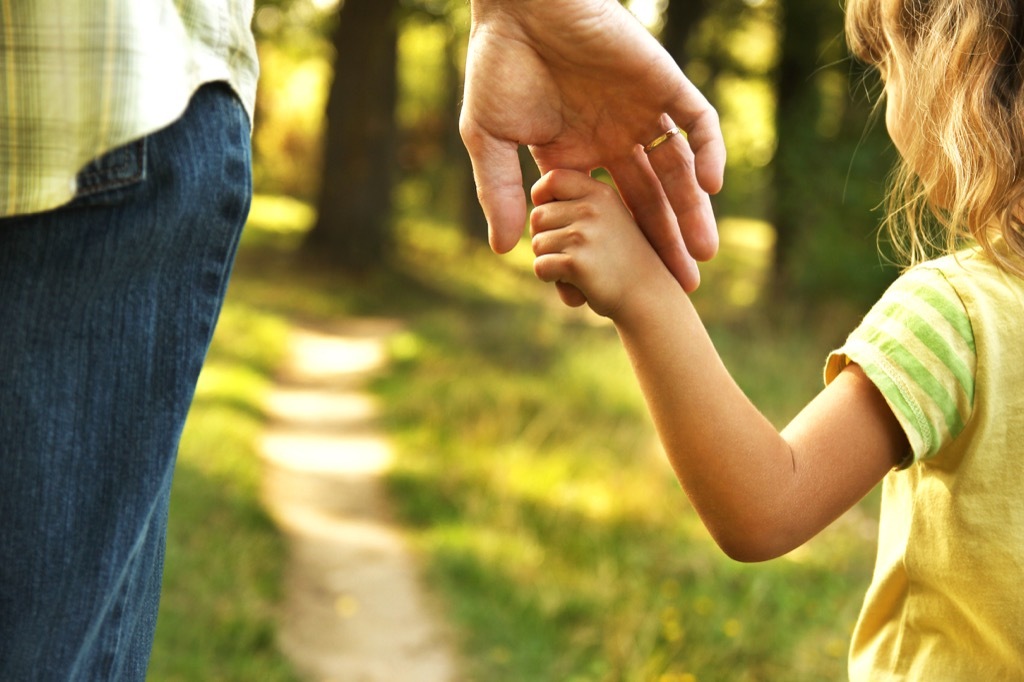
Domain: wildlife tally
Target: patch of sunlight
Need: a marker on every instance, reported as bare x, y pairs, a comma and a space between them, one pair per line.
748, 243
677, 677
306, 86
521, 257
223, 381
649, 12
747, 233
405, 347
614, 388
465, 264
743, 293
421, 50
835, 97
747, 108
555, 482
593, 499
552, 483
753, 43
280, 214
491, 546
840, 543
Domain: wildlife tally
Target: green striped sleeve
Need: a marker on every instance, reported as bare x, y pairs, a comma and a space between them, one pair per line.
917, 346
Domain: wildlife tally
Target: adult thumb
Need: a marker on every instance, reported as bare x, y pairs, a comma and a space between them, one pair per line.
499, 185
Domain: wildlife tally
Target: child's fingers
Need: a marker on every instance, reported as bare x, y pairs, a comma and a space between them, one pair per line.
570, 295
560, 185
551, 216
552, 267
556, 267
544, 242
552, 264
556, 200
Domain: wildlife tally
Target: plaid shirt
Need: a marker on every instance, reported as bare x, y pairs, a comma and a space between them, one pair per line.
81, 77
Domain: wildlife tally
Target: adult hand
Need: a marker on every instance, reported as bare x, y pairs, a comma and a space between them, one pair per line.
586, 86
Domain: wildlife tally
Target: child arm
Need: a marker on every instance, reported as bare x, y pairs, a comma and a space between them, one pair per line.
760, 492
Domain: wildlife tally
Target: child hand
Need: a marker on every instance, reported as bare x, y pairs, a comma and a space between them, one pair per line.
584, 236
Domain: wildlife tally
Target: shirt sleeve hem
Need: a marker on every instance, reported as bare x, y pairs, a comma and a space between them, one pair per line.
888, 380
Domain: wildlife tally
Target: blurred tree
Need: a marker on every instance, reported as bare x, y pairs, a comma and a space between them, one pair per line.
828, 169
681, 19
471, 215
354, 209
294, 42
453, 190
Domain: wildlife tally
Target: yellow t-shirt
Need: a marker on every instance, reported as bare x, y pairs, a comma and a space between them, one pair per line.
945, 346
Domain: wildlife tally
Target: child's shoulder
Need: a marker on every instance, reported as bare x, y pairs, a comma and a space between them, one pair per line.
974, 287
971, 270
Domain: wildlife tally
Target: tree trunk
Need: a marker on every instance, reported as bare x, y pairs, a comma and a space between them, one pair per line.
681, 18
353, 227
797, 110
470, 215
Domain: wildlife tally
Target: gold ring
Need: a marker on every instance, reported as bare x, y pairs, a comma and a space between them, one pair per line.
648, 148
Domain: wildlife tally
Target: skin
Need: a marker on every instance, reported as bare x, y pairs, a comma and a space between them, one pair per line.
760, 492
586, 86
894, 112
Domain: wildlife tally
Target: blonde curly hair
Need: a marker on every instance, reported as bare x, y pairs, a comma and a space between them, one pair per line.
961, 176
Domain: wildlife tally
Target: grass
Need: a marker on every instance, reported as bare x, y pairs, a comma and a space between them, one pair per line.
224, 556
531, 477
528, 476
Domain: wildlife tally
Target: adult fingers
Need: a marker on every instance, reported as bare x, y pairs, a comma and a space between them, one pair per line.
642, 192
694, 114
673, 163
499, 184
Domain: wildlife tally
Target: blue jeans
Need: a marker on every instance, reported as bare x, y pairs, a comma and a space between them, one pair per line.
107, 306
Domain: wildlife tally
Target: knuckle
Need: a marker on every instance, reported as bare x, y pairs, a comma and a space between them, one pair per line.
537, 244
575, 237
470, 131
537, 216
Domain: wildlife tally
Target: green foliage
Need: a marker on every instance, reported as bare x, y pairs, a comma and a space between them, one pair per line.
224, 557
530, 474
530, 478
835, 212
832, 169
830, 165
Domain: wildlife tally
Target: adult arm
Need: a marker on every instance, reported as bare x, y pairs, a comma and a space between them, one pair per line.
585, 85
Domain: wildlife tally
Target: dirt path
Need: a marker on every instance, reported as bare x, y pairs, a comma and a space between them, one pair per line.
354, 609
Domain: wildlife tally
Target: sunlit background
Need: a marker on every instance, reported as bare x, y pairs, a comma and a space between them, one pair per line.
527, 472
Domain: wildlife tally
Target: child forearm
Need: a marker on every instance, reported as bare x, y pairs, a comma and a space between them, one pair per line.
759, 494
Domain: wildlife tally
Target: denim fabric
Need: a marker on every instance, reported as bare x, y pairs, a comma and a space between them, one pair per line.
107, 306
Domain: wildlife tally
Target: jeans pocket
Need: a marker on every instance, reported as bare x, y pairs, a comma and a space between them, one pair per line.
108, 179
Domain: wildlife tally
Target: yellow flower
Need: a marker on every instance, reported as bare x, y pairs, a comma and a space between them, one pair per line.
703, 605
732, 628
